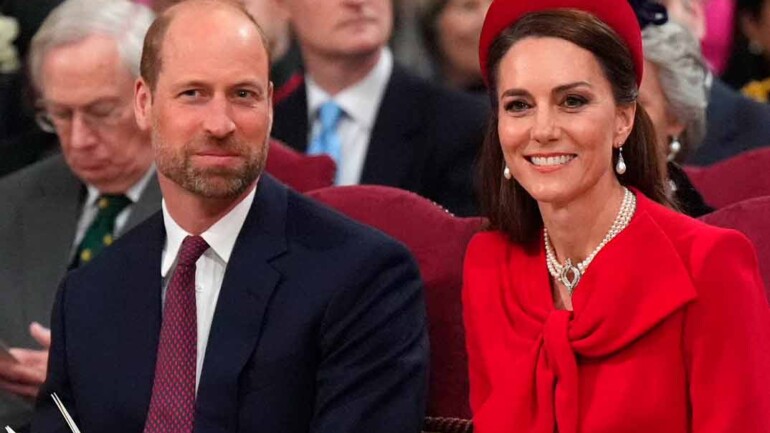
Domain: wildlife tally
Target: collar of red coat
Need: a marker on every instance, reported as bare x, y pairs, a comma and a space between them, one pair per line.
635, 282
640, 270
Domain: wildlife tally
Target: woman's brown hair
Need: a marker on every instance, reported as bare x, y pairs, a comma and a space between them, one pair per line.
506, 203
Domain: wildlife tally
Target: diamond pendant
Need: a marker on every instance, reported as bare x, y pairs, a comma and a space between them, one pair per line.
570, 276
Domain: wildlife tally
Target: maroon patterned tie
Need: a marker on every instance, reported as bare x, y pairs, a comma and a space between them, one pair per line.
172, 406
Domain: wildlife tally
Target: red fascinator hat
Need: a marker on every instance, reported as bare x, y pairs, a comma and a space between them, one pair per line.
617, 14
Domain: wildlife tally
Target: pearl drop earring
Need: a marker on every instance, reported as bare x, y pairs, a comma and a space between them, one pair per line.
620, 167
674, 147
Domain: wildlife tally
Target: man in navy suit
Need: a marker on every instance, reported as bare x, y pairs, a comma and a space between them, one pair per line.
394, 129
241, 306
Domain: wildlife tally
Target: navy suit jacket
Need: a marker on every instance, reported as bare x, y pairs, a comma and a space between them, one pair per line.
425, 139
735, 124
319, 327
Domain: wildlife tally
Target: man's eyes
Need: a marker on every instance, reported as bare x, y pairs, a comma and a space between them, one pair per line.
190, 93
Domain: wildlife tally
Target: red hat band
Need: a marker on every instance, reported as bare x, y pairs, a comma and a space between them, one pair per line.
617, 14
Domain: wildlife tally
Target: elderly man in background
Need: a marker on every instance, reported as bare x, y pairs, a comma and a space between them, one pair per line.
61, 212
380, 123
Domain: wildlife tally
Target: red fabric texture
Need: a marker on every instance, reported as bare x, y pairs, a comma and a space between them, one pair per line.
670, 334
292, 84
749, 217
735, 179
299, 171
617, 14
438, 241
172, 405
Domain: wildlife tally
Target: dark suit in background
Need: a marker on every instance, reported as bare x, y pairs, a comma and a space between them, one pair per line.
17, 125
425, 139
735, 124
25, 149
319, 327
41, 206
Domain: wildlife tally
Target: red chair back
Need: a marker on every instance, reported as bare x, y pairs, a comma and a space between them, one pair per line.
299, 171
744, 176
752, 218
437, 240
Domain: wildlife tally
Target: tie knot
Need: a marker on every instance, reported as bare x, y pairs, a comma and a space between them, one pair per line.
112, 204
329, 113
192, 249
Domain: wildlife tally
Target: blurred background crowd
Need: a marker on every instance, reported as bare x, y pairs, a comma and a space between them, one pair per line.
401, 103
709, 63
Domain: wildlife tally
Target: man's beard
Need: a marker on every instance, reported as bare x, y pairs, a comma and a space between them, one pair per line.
212, 182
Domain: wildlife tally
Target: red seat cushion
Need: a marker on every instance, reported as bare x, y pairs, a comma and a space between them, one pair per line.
752, 218
299, 171
744, 176
437, 240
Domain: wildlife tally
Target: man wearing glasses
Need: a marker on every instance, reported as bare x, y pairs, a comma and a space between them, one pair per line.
60, 213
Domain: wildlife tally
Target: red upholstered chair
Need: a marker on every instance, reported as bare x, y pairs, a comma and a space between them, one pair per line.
739, 178
752, 217
437, 240
299, 171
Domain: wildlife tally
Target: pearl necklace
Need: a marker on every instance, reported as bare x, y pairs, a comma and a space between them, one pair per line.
569, 274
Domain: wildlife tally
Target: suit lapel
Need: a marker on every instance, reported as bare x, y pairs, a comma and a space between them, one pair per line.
397, 137
141, 297
246, 290
148, 204
46, 252
291, 124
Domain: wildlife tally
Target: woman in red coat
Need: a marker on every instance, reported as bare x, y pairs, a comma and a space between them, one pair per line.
591, 306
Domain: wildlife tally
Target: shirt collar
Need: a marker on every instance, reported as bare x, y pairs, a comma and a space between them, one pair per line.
134, 193
221, 236
361, 101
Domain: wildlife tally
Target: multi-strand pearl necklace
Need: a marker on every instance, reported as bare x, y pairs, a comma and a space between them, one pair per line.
569, 274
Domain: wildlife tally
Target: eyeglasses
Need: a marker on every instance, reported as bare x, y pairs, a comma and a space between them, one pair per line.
97, 117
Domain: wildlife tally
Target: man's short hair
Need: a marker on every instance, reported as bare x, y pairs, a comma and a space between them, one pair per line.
75, 20
152, 62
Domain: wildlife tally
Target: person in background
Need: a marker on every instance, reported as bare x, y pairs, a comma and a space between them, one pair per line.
380, 123
734, 123
60, 213
451, 30
589, 304
748, 67
22, 142
673, 92
285, 70
241, 306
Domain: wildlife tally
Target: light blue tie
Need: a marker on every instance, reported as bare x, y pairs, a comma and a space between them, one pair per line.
328, 141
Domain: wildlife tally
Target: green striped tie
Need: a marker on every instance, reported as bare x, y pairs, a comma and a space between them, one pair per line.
101, 232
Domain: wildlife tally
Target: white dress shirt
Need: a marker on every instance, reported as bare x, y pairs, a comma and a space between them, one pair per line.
210, 267
90, 209
360, 104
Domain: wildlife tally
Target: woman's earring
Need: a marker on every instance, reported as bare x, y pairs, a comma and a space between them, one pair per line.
620, 167
507, 173
674, 147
